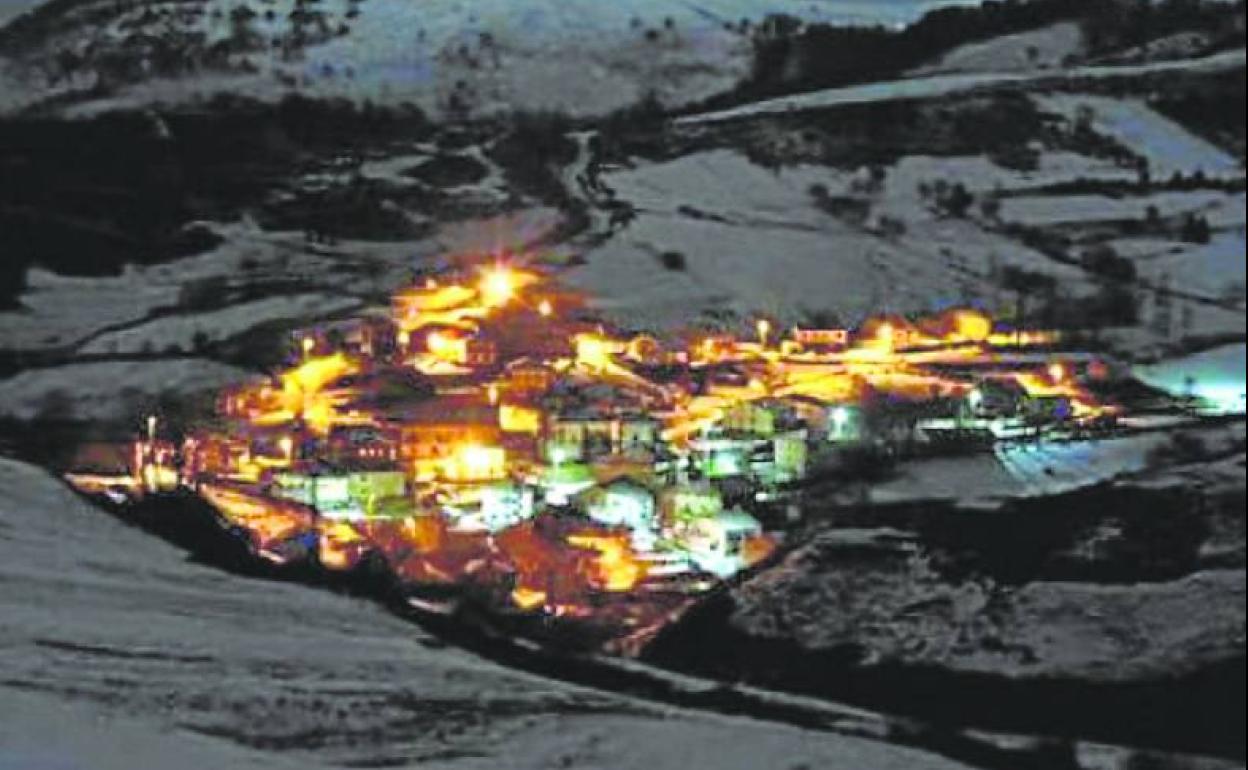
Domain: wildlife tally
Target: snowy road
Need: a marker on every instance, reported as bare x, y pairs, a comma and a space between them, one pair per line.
115, 651
941, 85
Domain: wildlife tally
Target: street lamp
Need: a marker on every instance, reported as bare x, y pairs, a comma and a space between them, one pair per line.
764, 329
287, 445
975, 399
497, 287
885, 334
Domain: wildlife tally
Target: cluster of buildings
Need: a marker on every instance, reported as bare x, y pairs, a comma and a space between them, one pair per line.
486, 402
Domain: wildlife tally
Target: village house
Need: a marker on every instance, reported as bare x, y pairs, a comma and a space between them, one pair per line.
590, 435
492, 506
363, 446
586, 422
450, 435
527, 379
344, 493
623, 502
716, 543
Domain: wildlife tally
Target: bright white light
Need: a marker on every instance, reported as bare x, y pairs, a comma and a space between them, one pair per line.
497, 286
975, 398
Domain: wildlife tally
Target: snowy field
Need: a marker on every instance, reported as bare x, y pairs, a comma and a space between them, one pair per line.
1169, 147
1216, 375
180, 332
1214, 269
943, 85
1030, 470
583, 56
107, 390
754, 240
1222, 209
1045, 48
62, 310
107, 313
1204, 611
120, 653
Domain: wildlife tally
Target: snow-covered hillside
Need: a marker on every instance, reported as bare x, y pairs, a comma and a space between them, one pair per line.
1216, 375
755, 240
1168, 147
1041, 49
118, 652
108, 390
953, 83
583, 56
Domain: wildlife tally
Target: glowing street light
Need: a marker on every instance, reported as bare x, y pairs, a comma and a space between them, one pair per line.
545, 309
764, 329
840, 416
975, 399
497, 287
287, 445
1057, 372
307, 343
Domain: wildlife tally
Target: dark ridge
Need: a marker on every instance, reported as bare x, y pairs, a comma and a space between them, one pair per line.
1200, 712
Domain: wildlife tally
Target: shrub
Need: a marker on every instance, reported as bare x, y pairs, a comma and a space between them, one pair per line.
673, 260
203, 294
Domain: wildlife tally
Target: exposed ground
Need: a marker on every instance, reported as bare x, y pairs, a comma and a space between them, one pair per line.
1120, 609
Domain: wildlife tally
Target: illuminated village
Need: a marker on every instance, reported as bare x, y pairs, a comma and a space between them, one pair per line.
487, 435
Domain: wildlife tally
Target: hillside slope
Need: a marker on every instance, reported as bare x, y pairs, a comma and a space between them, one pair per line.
119, 649
582, 56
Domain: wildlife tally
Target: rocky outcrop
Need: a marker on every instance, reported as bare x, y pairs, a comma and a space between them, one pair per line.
1115, 613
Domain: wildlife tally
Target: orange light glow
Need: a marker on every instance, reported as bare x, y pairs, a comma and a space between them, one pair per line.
755, 549
973, 326
306, 395
445, 346
473, 462
339, 545
519, 419
497, 287
528, 598
594, 352
617, 569
268, 520
446, 490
